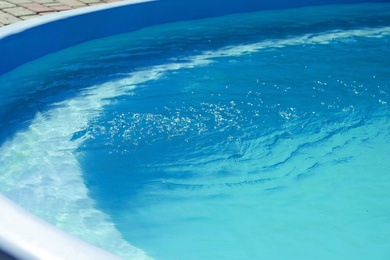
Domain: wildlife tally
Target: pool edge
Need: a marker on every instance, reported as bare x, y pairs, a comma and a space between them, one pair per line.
19, 43
20, 242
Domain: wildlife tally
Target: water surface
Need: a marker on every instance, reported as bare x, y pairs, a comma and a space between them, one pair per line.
261, 135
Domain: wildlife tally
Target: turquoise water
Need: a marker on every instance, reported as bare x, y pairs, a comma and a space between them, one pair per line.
252, 136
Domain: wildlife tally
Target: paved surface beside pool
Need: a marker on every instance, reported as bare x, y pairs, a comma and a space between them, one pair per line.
12, 11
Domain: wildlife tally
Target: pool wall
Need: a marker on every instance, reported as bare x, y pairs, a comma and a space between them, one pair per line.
22, 235
31, 39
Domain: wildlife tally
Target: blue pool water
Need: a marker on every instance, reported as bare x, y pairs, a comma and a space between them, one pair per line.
251, 136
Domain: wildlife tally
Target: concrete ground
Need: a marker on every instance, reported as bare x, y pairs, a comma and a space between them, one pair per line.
12, 11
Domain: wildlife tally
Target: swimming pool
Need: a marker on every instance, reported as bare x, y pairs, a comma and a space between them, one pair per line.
234, 137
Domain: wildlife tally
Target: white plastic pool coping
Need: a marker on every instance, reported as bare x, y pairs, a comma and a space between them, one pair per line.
23, 235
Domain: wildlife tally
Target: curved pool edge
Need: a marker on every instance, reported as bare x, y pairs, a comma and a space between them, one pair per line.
25, 236
19, 42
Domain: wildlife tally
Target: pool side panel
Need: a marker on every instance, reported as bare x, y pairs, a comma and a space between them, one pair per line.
32, 39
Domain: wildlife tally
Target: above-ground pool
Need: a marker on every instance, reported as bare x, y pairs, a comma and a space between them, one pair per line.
258, 135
